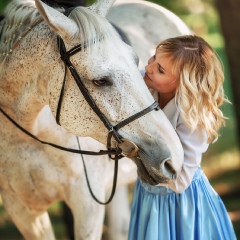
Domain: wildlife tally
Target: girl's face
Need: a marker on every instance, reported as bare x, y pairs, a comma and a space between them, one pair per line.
159, 76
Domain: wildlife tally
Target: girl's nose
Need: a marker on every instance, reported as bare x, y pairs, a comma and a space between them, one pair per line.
148, 67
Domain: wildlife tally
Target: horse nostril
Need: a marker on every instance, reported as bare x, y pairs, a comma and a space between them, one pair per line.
165, 171
169, 169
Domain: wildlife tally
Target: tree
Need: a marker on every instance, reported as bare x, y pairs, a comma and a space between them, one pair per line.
230, 18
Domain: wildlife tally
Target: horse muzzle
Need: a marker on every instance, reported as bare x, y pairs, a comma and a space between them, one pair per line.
148, 171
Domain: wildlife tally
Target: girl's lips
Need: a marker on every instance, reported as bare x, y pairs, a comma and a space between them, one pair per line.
147, 77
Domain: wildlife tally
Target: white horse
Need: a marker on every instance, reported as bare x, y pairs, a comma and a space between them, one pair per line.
34, 175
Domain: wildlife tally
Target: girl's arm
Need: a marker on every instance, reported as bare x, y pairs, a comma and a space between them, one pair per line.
194, 144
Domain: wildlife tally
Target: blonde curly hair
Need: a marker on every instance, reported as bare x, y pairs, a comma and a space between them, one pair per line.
200, 93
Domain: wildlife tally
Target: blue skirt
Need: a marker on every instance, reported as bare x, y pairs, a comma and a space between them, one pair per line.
158, 213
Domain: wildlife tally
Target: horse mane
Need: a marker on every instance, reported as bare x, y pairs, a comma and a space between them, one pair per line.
19, 18
94, 28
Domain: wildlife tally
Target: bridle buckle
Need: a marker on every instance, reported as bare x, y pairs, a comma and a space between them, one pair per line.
129, 148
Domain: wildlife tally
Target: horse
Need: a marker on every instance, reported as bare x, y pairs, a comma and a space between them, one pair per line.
66, 76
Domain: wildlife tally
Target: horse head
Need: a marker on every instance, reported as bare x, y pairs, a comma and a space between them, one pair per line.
108, 70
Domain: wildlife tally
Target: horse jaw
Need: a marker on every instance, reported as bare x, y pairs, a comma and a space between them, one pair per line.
102, 7
58, 22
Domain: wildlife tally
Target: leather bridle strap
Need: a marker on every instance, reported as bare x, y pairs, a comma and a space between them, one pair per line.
154, 106
101, 152
65, 56
114, 183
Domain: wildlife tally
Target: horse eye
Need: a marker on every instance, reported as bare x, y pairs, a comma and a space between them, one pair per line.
102, 82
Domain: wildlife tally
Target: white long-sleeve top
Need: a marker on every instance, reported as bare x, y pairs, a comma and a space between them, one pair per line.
194, 145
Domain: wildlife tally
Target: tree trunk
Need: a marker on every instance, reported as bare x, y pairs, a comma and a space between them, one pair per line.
230, 19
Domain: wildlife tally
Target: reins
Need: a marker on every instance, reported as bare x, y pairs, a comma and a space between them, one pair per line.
101, 152
114, 184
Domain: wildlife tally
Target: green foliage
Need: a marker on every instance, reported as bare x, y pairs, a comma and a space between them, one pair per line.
3, 3
89, 2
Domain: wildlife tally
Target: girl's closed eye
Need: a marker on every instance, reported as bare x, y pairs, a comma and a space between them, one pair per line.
160, 70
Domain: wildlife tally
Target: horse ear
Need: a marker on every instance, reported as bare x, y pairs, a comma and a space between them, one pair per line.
102, 7
57, 21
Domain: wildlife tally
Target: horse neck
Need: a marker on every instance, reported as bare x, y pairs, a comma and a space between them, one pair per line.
26, 76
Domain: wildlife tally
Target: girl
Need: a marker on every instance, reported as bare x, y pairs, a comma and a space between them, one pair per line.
186, 78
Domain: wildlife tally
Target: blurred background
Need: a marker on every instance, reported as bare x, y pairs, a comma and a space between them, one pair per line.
217, 22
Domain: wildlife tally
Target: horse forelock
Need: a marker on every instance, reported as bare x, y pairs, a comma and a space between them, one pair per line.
94, 29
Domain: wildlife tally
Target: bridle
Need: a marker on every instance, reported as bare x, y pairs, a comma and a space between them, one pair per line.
127, 148
112, 130
123, 148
